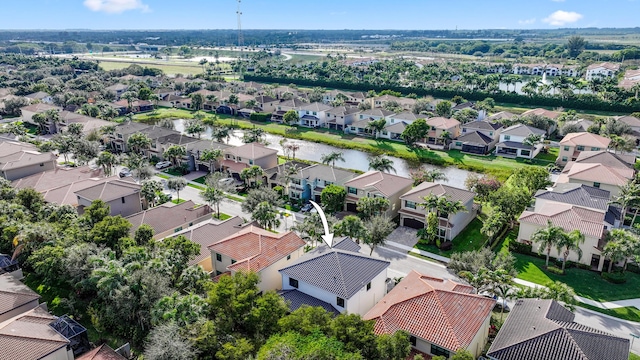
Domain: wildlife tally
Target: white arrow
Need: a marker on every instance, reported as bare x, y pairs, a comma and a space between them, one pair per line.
327, 237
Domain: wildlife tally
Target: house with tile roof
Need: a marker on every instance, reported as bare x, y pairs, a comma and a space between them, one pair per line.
573, 144
196, 149
89, 124
15, 297
30, 336
122, 196
441, 125
634, 124
309, 181
117, 89
169, 218
630, 79
512, 142
346, 280
590, 223
601, 70
102, 352
258, 250
41, 96
545, 330
377, 184
30, 110
607, 158
314, 114
413, 215
597, 175
237, 158
502, 115
19, 160
478, 137
440, 315
207, 233
580, 125
341, 117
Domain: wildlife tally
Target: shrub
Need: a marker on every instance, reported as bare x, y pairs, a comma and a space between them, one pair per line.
258, 116
614, 277
519, 247
555, 270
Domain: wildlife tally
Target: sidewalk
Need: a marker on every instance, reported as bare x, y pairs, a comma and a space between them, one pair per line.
419, 252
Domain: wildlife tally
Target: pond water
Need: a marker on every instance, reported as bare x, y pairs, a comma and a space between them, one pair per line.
354, 159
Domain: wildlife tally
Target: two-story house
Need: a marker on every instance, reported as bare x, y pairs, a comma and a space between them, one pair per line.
240, 157
360, 124
19, 160
40, 96
122, 132
602, 70
341, 117
267, 104
407, 117
377, 184
314, 114
284, 106
169, 218
440, 315
574, 143
597, 175
512, 142
308, 182
414, 216
30, 110
258, 250
440, 126
478, 137
123, 197
634, 124
117, 90
17, 298
345, 279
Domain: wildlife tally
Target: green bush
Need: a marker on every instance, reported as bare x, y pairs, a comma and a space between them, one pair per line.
258, 116
555, 270
519, 247
614, 277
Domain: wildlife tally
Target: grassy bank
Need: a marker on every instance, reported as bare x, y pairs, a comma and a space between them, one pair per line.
497, 166
630, 313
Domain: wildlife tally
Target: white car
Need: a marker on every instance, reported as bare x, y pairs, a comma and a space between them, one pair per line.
163, 164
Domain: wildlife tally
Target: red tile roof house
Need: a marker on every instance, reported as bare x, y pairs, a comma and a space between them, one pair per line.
441, 316
574, 143
102, 352
258, 250
377, 184
237, 158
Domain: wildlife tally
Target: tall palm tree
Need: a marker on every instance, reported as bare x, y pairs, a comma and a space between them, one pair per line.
629, 194
175, 152
443, 207
139, 142
622, 244
332, 157
107, 160
548, 237
211, 155
621, 144
570, 242
376, 126
380, 163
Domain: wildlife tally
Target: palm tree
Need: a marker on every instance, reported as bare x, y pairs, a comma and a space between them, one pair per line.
380, 163
629, 194
139, 142
264, 214
351, 226
621, 144
376, 126
41, 120
176, 184
253, 172
150, 190
220, 133
427, 175
287, 176
622, 244
211, 155
175, 152
570, 242
332, 157
548, 237
107, 160
444, 207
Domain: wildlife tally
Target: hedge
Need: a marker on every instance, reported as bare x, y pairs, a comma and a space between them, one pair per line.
520, 248
504, 97
258, 116
614, 277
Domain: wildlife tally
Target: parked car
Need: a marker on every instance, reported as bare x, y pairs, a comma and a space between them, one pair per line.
163, 164
501, 304
307, 207
125, 172
227, 181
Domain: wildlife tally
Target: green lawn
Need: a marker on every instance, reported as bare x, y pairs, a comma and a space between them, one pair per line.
497, 166
550, 156
201, 179
160, 175
586, 283
196, 186
630, 313
469, 239
173, 171
633, 356
234, 198
222, 216
178, 201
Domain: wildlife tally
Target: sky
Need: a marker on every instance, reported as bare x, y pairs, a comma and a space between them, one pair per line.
318, 14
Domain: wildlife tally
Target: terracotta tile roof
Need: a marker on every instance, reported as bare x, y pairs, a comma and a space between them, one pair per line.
251, 151
210, 232
605, 65
606, 158
544, 330
585, 139
109, 190
541, 112
387, 184
443, 123
326, 172
482, 125
316, 106
418, 193
569, 217
439, 311
600, 173
234, 166
28, 336
168, 216
255, 249
14, 294
102, 352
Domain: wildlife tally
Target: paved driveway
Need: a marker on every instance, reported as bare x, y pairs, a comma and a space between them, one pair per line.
404, 236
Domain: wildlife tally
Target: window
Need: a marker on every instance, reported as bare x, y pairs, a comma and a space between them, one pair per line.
239, 158
218, 257
296, 181
566, 148
177, 229
352, 190
580, 148
289, 257
250, 162
525, 152
353, 128
233, 261
122, 199
490, 133
507, 137
369, 286
596, 185
464, 130
438, 351
119, 136
442, 233
412, 340
433, 128
41, 164
293, 283
458, 143
314, 113
384, 133
564, 159
361, 117
410, 204
340, 302
393, 120
595, 149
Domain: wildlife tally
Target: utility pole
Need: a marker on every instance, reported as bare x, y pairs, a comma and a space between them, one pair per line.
240, 37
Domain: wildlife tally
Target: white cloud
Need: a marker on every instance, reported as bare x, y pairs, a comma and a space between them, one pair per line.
115, 6
527, 21
560, 18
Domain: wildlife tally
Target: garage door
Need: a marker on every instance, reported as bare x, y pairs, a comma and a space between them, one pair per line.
413, 223
351, 207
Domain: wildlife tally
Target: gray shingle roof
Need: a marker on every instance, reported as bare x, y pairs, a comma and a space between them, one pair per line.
482, 125
522, 130
346, 244
339, 272
297, 299
475, 138
544, 330
577, 194
325, 172
515, 145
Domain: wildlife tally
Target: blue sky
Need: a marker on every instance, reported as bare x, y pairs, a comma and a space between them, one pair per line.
318, 14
